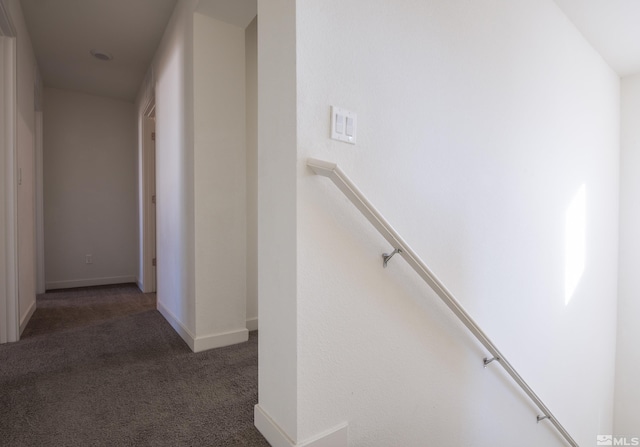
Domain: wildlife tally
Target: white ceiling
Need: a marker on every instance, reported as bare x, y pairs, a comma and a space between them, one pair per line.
612, 27
64, 31
236, 12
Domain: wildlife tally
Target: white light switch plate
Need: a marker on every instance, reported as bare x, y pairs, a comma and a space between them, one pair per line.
343, 125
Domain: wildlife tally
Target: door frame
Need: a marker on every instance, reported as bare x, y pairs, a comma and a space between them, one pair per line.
9, 310
38, 93
39, 158
148, 179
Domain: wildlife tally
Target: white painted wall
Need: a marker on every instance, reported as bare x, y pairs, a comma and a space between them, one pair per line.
4, 49
26, 166
251, 68
199, 83
8, 305
277, 226
628, 358
26, 215
220, 181
172, 80
479, 124
90, 189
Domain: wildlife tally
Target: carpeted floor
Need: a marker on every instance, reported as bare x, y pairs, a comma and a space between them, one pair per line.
101, 367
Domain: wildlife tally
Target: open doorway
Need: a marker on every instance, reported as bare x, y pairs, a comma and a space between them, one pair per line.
148, 226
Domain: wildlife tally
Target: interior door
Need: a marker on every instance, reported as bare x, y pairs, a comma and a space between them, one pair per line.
152, 216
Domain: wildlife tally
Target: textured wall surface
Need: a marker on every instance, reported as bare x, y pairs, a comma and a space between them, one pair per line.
488, 136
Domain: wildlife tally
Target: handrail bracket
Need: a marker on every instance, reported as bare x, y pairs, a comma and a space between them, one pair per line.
488, 361
386, 257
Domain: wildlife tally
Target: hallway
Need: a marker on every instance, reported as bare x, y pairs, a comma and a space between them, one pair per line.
100, 366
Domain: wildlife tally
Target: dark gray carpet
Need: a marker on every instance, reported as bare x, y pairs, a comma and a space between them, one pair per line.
101, 367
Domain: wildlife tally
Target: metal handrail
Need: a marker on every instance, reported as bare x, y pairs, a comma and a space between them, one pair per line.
333, 172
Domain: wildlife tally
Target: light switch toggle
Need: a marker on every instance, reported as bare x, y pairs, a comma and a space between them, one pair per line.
339, 124
343, 125
349, 128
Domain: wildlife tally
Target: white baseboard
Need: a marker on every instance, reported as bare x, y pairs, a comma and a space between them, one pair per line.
203, 342
27, 317
335, 437
270, 430
252, 324
212, 341
149, 288
177, 325
52, 285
